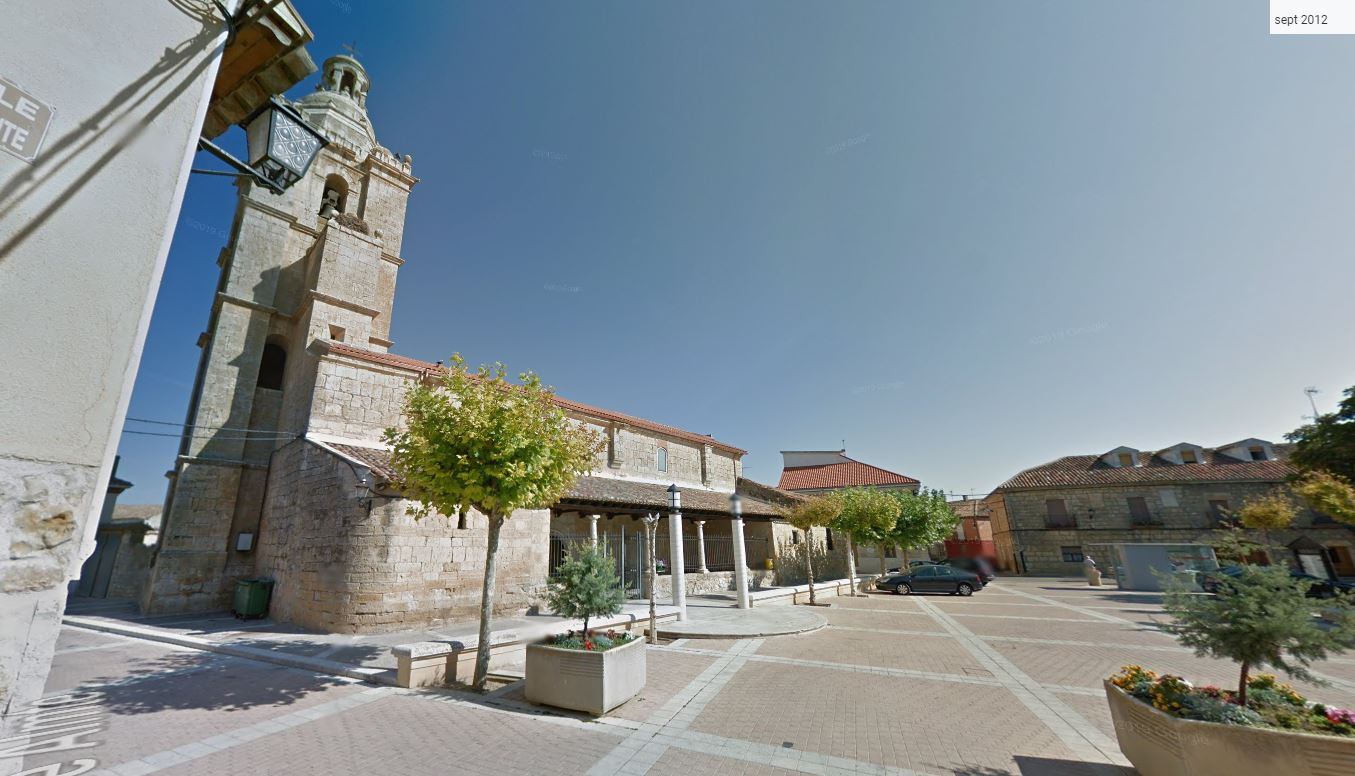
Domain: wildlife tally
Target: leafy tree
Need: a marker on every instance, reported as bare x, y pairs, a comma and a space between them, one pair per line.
867, 515
924, 519
585, 585
1261, 617
475, 440
808, 515
1272, 511
1329, 494
1328, 443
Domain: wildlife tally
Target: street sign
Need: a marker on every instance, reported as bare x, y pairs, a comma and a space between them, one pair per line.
24, 120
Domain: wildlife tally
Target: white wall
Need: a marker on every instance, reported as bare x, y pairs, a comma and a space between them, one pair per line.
791, 458
84, 231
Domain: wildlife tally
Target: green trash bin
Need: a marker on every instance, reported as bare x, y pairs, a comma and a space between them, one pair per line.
251, 598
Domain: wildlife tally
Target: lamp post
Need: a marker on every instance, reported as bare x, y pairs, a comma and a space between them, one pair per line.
740, 556
281, 147
677, 574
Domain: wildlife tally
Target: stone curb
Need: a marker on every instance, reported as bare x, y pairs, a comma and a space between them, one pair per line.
740, 635
384, 676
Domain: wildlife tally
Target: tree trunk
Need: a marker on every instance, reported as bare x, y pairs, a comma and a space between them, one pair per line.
883, 570
809, 564
1242, 684
651, 533
487, 602
851, 565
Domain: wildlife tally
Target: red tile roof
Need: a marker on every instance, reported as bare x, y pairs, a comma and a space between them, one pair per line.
569, 405
1091, 471
847, 474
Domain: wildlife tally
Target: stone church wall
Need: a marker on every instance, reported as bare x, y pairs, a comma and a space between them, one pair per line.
356, 401
340, 566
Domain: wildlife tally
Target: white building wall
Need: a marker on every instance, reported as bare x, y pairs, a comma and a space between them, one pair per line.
80, 265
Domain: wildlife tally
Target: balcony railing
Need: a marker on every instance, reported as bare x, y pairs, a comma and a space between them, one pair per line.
1060, 521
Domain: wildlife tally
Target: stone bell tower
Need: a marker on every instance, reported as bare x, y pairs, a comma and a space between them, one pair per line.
316, 262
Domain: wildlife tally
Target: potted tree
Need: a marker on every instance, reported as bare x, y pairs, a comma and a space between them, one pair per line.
1259, 618
585, 671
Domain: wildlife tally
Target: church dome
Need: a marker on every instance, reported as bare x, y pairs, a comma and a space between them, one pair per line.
338, 106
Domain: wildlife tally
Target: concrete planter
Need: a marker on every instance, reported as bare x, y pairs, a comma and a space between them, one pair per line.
595, 682
1159, 744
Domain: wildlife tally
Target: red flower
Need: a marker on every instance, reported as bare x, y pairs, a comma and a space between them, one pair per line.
587, 644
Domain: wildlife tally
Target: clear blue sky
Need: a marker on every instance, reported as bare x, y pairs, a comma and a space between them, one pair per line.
966, 237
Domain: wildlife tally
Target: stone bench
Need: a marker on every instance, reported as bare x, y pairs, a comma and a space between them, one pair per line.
435, 663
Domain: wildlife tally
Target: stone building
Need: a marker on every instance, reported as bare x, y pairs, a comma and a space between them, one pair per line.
810, 472
282, 471
1047, 518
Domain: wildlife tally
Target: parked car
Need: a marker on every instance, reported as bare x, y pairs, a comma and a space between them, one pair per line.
974, 566
1318, 587
931, 579
916, 563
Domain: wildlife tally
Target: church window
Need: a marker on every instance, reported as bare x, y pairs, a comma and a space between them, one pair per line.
271, 366
348, 84
663, 459
336, 333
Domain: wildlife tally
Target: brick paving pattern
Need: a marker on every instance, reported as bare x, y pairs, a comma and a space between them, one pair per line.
1005, 682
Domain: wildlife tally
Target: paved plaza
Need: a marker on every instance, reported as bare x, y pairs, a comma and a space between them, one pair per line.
1005, 682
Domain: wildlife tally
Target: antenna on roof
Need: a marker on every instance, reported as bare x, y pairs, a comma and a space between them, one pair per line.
844, 445
1312, 391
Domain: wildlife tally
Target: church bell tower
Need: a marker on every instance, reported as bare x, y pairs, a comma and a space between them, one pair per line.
317, 262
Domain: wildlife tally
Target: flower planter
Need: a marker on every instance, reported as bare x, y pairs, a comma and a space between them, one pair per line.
584, 680
1159, 744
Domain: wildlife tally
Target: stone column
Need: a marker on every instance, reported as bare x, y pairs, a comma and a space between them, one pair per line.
676, 573
740, 561
701, 547
593, 528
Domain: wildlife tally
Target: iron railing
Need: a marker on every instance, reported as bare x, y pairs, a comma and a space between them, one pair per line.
628, 551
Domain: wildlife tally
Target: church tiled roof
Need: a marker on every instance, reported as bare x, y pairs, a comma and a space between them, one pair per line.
417, 365
848, 473
609, 491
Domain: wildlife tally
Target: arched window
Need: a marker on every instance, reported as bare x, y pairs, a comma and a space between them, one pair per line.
349, 83
271, 366
663, 459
